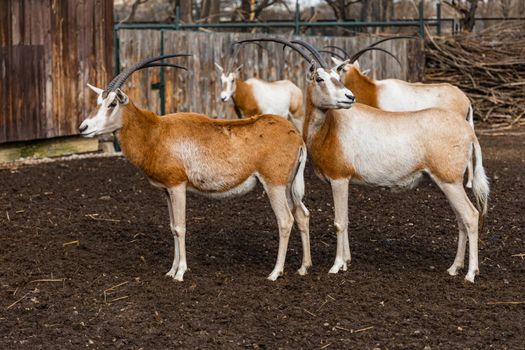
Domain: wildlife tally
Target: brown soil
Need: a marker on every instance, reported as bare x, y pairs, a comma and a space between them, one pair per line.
109, 290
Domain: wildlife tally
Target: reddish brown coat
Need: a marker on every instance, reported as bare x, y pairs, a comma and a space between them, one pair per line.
267, 145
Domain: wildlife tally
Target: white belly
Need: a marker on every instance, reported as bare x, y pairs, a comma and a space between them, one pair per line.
382, 157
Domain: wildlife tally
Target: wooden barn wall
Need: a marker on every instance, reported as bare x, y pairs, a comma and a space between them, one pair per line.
49, 50
198, 89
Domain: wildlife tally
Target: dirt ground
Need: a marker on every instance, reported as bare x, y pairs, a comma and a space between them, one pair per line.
85, 245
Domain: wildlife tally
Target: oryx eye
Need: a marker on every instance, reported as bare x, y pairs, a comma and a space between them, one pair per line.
113, 104
319, 79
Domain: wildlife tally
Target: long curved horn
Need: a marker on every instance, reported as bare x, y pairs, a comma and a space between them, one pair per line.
392, 38
334, 54
280, 41
162, 64
121, 78
313, 51
235, 49
361, 52
337, 48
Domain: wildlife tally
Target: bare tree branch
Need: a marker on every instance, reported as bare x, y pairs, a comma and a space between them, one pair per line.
134, 8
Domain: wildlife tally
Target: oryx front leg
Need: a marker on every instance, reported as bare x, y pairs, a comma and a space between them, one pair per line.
278, 200
340, 194
177, 208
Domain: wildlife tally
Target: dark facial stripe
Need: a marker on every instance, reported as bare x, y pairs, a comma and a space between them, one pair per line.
337, 83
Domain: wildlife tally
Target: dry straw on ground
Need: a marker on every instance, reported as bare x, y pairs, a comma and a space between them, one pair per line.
489, 66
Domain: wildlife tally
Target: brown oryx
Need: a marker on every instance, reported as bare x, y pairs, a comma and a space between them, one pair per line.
218, 158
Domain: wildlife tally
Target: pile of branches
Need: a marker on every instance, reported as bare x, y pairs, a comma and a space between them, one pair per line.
488, 66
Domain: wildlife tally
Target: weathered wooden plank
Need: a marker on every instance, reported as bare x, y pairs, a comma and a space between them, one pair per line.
76, 37
48, 148
21, 90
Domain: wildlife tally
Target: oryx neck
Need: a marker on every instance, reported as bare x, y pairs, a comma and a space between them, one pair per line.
135, 136
314, 118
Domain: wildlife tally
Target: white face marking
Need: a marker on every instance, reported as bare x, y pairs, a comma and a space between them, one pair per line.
108, 117
228, 86
329, 92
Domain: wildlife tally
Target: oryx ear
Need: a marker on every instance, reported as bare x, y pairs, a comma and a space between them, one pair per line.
341, 66
311, 71
336, 61
356, 65
122, 98
365, 72
221, 71
238, 69
97, 90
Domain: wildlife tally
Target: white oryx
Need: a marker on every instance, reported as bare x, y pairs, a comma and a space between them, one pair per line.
255, 96
396, 95
352, 142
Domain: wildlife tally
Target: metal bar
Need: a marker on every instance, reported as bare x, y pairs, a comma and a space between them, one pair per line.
292, 24
117, 50
422, 19
116, 39
393, 23
500, 18
297, 18
162, 84
177, 17
438, 15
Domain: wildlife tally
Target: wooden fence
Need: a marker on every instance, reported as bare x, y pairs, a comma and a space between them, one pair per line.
198, 90
49, 50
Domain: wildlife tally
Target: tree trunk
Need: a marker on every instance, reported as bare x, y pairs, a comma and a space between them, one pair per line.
134, 7
185, 10
364, 10
521, 8
205, 9
470, 16
215, 11
245, 10
210, 11
363, 16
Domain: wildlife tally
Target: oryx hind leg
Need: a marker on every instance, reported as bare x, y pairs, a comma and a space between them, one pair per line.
470, 168
467, 217
303, 224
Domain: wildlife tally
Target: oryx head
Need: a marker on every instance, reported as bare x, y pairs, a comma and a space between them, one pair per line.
348, 64
326, 90
228, 82
108, 117
229, 76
